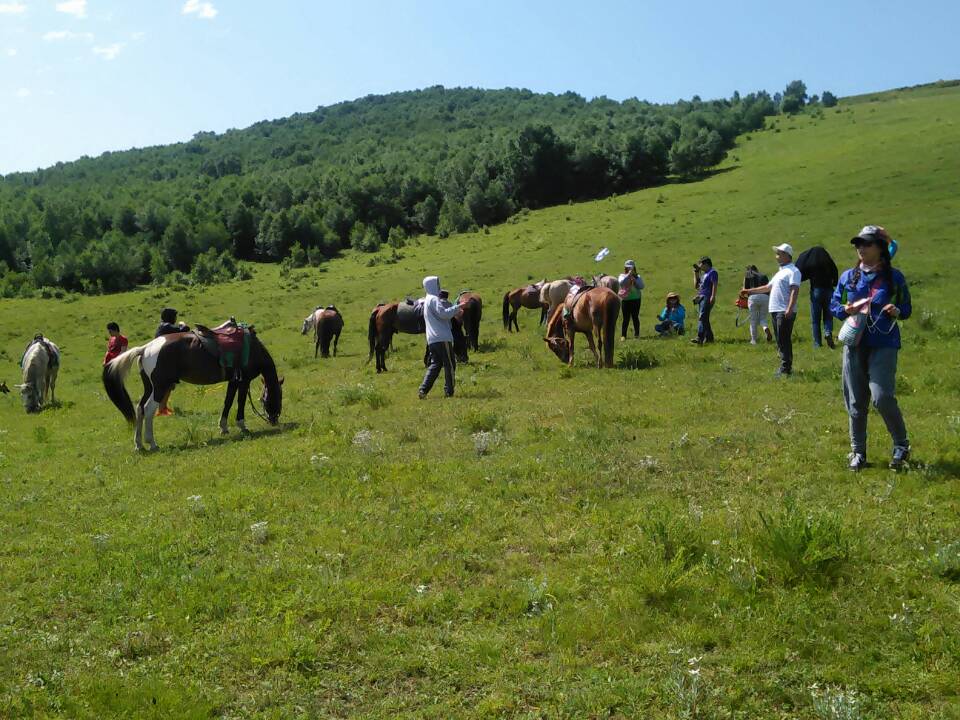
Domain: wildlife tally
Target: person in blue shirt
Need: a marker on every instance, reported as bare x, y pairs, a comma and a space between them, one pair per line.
706, 286
870, 367
671, 317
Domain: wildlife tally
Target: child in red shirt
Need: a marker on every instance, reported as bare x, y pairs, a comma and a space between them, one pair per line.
117, 343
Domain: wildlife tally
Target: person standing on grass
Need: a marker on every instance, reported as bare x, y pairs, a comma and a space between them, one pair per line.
116, 344
706, 287
758, 305
784, 290
870, 367
437, 315
168, 325
816, 265
631, 296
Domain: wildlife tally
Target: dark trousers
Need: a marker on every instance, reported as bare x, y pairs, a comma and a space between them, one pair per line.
704, 331
631, 311
783, 330
820, 312
441, 356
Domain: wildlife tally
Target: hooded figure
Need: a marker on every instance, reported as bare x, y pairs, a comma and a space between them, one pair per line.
437, 315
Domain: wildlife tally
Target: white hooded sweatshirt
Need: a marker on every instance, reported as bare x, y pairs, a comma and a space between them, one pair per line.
437, 314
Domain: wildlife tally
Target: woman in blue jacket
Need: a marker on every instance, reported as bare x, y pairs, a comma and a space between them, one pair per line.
870, 368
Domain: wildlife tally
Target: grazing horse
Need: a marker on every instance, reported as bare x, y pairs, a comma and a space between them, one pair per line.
40, 364
590, 311
389, 318
527, 296
472, 311
327, 324
608, 281
183, 357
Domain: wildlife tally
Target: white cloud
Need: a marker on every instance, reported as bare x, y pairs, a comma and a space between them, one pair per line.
108, 52
23, 93
11, 52
77, 8
12, 8
204, 10
57, 35
138, 36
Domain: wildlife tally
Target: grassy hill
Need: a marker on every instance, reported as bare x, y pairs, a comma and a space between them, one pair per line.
677, 541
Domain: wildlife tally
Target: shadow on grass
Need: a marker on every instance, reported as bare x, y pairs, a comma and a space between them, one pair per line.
235, 437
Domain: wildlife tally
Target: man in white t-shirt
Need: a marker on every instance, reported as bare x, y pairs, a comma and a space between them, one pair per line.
784, 289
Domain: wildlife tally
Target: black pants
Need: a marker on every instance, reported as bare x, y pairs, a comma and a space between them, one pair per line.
783, 329
441, 356
631, 311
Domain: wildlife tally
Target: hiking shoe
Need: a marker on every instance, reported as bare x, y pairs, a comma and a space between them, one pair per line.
830, 343
900, 457
769, 334
857, 462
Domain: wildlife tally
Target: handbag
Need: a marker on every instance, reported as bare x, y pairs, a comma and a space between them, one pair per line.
851, 332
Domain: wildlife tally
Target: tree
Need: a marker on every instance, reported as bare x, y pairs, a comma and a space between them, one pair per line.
828, 99
794, 97
426, 214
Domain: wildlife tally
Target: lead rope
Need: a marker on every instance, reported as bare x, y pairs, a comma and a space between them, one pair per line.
254, 408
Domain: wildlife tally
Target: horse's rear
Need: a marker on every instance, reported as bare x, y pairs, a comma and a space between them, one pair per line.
329, 325
380, 331
41, 364
472, 313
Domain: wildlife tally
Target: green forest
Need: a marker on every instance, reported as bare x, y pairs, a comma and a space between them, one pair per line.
363, 174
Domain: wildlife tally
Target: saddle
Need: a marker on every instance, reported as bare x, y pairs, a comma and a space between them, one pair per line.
53, 358
575, 295
228, 343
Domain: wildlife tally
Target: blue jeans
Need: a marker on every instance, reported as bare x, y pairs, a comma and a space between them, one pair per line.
704, 331
820, 312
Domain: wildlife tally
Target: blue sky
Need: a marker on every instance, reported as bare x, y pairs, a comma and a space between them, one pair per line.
78, 77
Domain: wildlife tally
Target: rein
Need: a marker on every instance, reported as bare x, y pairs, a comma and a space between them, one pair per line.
253, 406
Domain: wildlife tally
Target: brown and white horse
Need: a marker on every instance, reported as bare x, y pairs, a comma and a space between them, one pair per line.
327, 324
527, 296
390, 318
40, 363
181, 357
591, 311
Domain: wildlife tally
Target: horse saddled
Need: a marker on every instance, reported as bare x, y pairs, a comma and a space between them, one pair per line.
410, 318
53, 357
229, 344
576, 293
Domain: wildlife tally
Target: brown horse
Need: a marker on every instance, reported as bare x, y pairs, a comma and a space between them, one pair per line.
472, 312
327, 324
389, 318
591, 311
527, 296
181, 357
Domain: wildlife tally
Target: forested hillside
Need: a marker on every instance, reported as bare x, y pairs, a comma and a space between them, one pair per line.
357, 174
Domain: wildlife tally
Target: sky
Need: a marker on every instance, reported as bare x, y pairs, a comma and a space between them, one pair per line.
80, 77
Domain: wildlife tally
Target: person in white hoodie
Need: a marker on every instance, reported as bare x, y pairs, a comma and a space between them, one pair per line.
437, 315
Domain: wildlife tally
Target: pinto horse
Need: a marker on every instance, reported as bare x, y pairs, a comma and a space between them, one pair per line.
472, 312
527, 296
327, 324
390, 318
181, 357
590, 311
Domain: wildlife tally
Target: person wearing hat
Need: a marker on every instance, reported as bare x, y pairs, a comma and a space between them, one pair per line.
168, 325
874, 288
631, 296
784, 289
706, 287
671, 317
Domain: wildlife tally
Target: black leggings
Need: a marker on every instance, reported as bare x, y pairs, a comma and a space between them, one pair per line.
631, 311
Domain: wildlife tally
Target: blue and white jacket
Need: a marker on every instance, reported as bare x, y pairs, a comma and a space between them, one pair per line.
881, 331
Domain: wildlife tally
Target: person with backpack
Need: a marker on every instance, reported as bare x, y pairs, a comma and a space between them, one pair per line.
816, 265
871, 298
631, 297
758, 306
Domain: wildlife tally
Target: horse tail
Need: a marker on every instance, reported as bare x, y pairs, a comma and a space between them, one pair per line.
476, 326
114, 373
372, 333
506, 311
612, 313
324, 330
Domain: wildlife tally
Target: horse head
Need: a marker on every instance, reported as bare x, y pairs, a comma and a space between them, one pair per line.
560, 347
307, 324
29, 396
272, 399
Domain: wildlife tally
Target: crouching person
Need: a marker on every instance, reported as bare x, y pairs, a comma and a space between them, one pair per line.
437, 315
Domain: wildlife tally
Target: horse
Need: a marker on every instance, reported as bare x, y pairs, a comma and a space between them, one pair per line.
472, 312
527, 296
554, 293
183, 357
40, 364
609, 281
327, 324
591, 311
389, 318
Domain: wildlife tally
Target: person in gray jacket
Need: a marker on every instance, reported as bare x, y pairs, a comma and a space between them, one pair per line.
437, 315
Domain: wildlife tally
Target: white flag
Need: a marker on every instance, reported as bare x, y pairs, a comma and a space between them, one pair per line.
602, 254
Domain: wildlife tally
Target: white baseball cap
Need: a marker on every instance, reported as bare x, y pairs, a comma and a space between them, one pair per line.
784, 248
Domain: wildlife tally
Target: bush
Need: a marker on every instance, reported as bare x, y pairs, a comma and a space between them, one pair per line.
636, 359
803, 546
360, 393
946, 561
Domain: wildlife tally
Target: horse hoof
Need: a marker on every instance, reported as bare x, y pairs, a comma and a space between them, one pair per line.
154, 447
224, 431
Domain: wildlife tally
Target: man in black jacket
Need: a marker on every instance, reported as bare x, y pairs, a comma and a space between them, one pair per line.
818, 267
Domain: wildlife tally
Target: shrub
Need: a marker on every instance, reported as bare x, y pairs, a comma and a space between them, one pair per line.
946, 561
636, 359
360, 393
803, 546
479, 421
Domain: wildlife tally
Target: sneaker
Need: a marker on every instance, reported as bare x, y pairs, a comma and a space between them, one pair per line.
830, 343
857, 462
769, 334
696, 341
900, 457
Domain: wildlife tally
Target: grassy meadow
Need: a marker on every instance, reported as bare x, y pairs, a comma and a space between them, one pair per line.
673, 541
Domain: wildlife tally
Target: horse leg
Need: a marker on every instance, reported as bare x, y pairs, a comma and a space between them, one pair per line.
227, 403
138, 423
150, 410
51, 385
244, 390
336, 339
571, 336
316, 346
593, 347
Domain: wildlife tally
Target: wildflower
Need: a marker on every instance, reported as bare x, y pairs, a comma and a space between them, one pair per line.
259, 532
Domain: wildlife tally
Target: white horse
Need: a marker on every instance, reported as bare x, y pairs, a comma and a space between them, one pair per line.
40, 363
554, 293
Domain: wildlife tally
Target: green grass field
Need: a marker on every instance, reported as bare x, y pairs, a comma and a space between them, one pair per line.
677, 541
